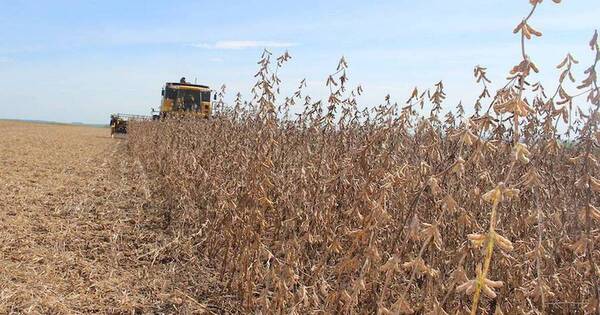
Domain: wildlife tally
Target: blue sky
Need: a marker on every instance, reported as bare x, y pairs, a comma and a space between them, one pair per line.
81, 60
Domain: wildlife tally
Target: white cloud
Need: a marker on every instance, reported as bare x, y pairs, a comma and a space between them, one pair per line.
244, 44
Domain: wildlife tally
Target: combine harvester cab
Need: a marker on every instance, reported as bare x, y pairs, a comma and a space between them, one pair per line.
185, 99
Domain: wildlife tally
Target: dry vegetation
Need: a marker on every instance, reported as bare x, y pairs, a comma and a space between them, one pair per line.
387, 210
332, 210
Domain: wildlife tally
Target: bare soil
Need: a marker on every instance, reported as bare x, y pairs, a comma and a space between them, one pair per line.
76, 230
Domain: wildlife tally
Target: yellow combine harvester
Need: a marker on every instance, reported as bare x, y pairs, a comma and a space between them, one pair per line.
186, 98
178, 99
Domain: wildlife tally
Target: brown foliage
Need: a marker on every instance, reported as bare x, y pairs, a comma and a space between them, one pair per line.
384, 210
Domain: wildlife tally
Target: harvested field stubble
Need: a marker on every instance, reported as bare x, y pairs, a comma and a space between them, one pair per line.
75, 234
387, 211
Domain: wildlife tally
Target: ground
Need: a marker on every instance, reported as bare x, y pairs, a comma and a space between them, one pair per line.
75, 231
